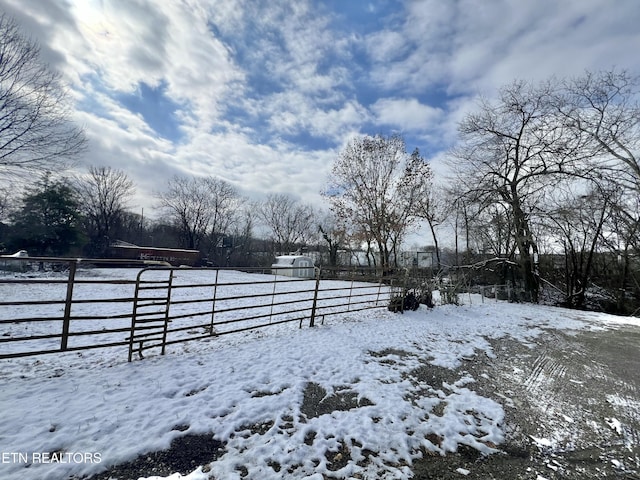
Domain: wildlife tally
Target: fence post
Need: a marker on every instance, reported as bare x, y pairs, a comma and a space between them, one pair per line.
404, 292
166, 312
273, 294
315, 299
353, 274
213, 305
379, 290
66, 321
134, 313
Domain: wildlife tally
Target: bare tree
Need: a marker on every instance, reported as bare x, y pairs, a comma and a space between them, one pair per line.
459, 222
290, 222
334, 233
241, 252
624, 242
432, 207
226, 209
577, 222
491, 232
36, 130
604, 106
375, 186
199, 207
104, 194
513, 151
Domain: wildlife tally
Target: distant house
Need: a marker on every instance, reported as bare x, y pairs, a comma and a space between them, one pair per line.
174, 256
293, 266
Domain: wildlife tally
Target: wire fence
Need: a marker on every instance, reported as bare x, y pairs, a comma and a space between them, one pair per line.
50, 305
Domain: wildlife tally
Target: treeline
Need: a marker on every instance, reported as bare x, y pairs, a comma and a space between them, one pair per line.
85, 214
547, 177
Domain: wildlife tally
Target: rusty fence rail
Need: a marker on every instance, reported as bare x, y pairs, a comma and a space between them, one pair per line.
50, 305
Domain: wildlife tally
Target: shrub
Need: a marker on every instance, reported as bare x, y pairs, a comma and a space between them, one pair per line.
400, 303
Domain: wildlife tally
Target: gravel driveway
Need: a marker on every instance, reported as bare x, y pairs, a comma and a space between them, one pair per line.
572, 409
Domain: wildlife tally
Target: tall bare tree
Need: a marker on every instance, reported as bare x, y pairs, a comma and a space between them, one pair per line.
200, 207
512, 152
36, 130
290, 222
104, 194
226, 210
604, 108
375, 186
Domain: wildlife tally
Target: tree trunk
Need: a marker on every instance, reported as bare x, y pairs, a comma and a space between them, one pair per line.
527, 249
435, 242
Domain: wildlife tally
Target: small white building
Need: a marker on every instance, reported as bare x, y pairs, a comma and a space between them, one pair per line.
293, 266
417, 258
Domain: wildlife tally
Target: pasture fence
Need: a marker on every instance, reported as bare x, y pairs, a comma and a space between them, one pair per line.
51, 305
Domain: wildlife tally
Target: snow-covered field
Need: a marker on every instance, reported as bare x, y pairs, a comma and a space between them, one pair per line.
92, 410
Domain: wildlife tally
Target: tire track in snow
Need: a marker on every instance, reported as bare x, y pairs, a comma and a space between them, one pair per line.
545, 373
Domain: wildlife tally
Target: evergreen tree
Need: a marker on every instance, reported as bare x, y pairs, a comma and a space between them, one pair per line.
48, 220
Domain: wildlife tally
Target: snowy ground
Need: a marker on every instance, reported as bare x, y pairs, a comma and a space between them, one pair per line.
340, 400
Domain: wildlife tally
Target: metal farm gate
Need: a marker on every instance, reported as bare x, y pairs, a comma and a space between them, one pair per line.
150, 316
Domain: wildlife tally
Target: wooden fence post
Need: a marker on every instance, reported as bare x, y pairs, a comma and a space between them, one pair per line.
66, 321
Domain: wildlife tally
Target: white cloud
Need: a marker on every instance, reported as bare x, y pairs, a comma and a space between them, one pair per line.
255, 168
125, 43
251, 76
339, 122
292, 113
408, 114
386, 46
473, 44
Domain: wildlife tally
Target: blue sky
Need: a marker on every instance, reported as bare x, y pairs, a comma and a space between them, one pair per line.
264, 93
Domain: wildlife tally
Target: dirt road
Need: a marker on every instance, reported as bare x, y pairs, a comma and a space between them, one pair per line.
572, 407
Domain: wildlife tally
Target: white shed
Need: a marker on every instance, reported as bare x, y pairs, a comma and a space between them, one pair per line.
293, 266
